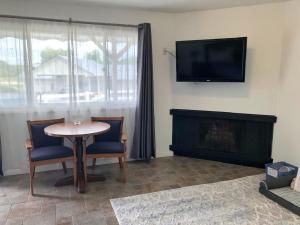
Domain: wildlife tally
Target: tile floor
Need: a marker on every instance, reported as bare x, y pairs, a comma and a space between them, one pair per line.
64, 206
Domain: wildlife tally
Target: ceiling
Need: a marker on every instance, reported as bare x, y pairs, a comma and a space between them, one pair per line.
172, 5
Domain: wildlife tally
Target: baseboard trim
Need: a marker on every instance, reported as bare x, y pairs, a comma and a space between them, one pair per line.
12, 172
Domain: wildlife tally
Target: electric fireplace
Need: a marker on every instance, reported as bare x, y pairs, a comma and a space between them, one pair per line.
244, 139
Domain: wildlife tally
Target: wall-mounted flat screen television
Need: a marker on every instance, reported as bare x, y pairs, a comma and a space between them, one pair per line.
213, 60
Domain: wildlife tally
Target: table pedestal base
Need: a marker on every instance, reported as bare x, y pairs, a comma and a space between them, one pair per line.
64, 181
95, 178
80, 183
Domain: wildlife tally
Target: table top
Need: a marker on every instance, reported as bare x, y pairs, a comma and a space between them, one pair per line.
85, 128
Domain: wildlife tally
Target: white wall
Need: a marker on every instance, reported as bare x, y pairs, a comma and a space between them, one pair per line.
162, 35
287, 131
262, 25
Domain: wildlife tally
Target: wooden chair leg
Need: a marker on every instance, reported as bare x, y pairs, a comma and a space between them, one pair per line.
94, 163
121, 162
31, 169
64, 167
124, 169
125, 156
124, 161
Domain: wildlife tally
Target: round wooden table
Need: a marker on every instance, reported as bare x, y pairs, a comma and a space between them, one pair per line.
78, 135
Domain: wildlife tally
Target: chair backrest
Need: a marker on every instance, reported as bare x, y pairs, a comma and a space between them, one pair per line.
116, 128
38, 136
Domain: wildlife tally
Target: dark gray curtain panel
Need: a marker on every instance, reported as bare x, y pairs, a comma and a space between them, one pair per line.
143, 146
1, 171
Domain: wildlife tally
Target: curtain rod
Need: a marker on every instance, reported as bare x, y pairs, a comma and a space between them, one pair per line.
66, 21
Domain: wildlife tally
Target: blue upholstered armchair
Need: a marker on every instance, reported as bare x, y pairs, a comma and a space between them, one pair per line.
111, 144
43, 149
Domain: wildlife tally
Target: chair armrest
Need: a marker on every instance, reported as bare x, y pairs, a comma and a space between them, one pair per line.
123, 138
28, 145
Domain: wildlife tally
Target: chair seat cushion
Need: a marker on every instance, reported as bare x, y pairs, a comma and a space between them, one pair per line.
105, 147
50, 152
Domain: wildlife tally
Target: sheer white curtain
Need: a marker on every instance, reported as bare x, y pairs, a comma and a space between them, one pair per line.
51, 70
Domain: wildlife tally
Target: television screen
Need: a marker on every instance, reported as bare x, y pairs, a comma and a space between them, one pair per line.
219, 60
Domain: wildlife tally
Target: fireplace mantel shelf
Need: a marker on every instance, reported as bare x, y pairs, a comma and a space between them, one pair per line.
225, 115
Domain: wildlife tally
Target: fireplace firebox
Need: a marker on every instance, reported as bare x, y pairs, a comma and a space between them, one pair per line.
244, 139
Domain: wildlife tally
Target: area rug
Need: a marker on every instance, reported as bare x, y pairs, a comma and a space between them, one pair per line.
233, 202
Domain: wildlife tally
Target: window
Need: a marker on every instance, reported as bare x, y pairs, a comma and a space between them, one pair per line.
50, 63
12, 77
